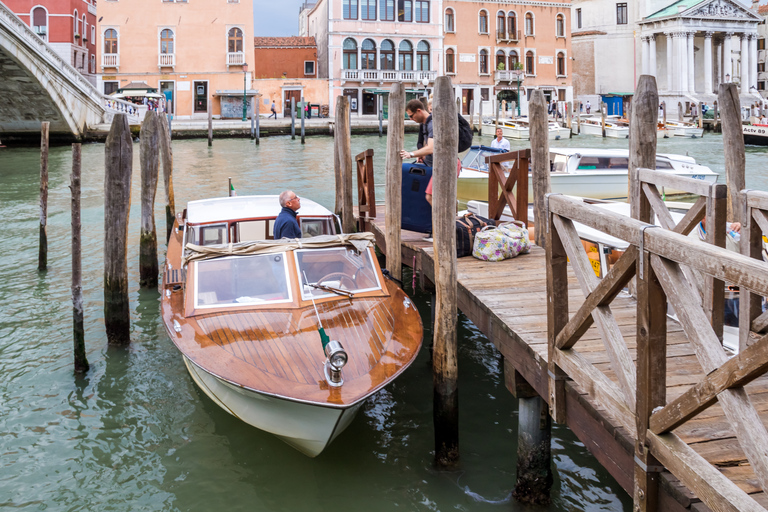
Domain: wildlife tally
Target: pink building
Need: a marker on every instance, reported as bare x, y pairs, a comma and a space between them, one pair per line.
68, 26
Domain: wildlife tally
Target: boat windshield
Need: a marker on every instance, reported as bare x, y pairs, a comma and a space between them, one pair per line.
475, 159
337, 268
560, 163
242, 281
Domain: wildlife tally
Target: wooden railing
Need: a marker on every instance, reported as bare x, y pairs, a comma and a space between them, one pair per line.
666, 265
504, 178
366, 190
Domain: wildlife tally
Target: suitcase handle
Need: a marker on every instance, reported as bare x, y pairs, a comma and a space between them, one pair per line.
417, 170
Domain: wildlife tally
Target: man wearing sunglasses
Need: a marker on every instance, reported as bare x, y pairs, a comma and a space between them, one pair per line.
286, 225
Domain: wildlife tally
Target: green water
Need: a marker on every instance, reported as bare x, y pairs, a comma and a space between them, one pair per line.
136, 434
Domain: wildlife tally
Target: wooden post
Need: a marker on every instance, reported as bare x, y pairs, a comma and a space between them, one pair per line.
733, 147
578, 119
664, 113
569, 114
445, 362
257, 115
496, 107
210, 124
680, 112
81, 360
458, 105
166, 150
715, 117
750, 304
253, 128
293, 118
557, 314
537, 111
302, 119
118, 164
343, 149
534, 454
380, 102
602, 117
394, 179
149, 158
42, 258
472, 115
701, 115
642, 137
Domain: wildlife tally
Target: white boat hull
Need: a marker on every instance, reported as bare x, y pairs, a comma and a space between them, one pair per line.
520, 133
691, 133
308, 427
614, 132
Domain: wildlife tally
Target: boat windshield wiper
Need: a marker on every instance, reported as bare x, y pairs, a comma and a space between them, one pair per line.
331, 289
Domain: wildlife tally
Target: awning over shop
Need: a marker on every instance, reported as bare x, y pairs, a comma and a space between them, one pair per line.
618, 94
137, 86
386, 91
235, 92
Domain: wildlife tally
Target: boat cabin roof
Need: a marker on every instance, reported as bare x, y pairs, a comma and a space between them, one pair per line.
221, 209
614, 153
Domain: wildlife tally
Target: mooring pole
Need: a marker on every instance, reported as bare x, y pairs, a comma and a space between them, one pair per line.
642, 137
578, 119
715, 117
537, 111
445, 361
78, 328
118, 163
343, 149
293, 118
664, 113
496, 107
701, 115
303, 114
149, 159
733, 147
394, 179
381, 113
166, 151
569, 116
42, 258
472, 115
257, 115
602, 117
253, 128
680, 112
210, 124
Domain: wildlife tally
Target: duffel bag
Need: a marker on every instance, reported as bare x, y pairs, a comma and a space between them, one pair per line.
466, 229
517, 232
491, 244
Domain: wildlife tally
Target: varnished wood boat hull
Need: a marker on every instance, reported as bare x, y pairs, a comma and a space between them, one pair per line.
306, 427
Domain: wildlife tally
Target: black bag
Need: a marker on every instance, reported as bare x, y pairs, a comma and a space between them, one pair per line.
466, 229
465, 134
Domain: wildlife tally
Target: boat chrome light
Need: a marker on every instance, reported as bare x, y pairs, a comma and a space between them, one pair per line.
337, 358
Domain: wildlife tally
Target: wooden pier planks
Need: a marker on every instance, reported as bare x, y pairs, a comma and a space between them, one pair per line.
514, 318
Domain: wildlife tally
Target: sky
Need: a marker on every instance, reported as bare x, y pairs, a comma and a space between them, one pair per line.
277, 18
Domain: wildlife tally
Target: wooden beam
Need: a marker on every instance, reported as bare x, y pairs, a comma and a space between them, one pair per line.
751, 315
539, 132
733, 147
692, 217
557, 316
42, 256
688, 185
394, 178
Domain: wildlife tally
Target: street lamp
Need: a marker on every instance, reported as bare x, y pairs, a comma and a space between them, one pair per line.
245, 99
519, 79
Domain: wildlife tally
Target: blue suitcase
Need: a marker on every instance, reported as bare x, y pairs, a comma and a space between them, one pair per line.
416, 213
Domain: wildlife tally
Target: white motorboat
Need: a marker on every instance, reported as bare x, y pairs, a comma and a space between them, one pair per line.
683, 129
615, 128
756, 134
520, 128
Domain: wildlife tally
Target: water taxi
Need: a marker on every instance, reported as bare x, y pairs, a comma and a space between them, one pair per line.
615, 127
520, 128
683, 129
291, 335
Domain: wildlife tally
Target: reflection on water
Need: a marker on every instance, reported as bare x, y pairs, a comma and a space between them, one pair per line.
135, 433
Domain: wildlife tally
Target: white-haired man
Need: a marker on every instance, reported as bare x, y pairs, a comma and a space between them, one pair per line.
286, 225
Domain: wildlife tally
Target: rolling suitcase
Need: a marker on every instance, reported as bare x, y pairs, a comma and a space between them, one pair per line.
416, 212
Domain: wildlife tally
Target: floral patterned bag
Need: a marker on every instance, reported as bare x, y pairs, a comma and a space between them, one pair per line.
499, 243
518, 232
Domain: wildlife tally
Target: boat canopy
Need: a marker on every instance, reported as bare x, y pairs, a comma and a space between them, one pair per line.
360, 241
223, 209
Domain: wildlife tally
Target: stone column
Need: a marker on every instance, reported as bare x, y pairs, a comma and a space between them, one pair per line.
727, 63
718, 64
682, 66
652, 51
753, 60
670, 53
691, 60
708, 63
646, 55
744, 63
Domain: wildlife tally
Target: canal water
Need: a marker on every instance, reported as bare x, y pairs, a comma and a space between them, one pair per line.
136, 434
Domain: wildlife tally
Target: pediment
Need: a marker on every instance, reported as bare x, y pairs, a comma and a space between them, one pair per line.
719, 9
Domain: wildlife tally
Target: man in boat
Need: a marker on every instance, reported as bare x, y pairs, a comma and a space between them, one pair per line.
500, 142
286, 225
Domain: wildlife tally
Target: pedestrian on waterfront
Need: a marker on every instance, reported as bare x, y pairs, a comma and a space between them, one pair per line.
588, 107
286, 225
274, 110
500, 142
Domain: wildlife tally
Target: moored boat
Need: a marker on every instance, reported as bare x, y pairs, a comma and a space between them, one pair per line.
289, 336
683, 129
614, 128
520, 128
756, 134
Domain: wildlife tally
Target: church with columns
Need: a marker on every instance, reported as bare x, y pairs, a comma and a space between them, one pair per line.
690, 46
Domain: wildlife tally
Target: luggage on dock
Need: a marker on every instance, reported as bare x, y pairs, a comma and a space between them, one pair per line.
416, 211
466, 229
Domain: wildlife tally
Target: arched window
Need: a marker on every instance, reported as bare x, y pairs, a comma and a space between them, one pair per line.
529, 24
422, 56
482, 25
512, 25
93, 34
368, 54
235, 40
560, 26
350, 53
560, 64
93, 63
40, 22
85, 31
529, 63
387, 55
110, 41
501, 28
450, 63
449, 21
484, 62
76, 24
501, 60
387, 10
514, 60
166, 41
406, 56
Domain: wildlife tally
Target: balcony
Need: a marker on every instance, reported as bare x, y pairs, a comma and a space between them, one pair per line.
511, 36
511, 75
92, 9
235, 58
167, 60
386, 75
110, 60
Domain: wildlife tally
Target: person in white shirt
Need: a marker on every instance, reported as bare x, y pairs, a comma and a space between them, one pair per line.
500, 142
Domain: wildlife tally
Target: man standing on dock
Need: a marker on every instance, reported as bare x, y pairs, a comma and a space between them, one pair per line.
416, 112
286, 225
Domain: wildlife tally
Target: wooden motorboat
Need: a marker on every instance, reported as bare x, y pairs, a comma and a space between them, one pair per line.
683, 129
289, 336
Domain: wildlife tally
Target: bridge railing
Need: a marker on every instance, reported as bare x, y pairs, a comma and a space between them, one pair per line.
114, 106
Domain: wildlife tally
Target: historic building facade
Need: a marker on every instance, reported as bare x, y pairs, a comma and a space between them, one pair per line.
198, 54
69, 27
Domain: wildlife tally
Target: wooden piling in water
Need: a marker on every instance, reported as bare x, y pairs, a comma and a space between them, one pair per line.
472, 115
445, 362
602, 117
302, 119
253, 128
78, 327
257, 115
664, 113
149, 158
534, 452
293, 118
210, 124
701, 115
578, 119
166, 151
343, 150
680, 112
569, 115
394, 177
42, 257
537, 111
715, 117
642, 136
733, 147
118, 163
496, 107
380, 103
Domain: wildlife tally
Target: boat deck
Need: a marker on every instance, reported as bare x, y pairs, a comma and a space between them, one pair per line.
507, 302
